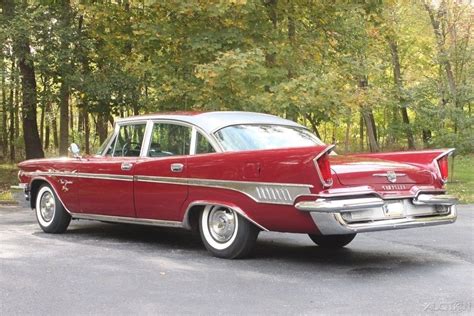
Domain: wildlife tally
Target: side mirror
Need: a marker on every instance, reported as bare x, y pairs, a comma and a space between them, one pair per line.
74, 149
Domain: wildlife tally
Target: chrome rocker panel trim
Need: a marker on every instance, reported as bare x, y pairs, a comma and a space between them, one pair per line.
128, 220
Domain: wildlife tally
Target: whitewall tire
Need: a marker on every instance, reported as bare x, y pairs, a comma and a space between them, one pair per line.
225, 233
51, 215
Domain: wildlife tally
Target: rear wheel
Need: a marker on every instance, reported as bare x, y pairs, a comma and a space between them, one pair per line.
331, 241
50, 213
225, 233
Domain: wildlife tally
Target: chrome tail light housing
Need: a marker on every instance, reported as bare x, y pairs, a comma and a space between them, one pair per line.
323, 167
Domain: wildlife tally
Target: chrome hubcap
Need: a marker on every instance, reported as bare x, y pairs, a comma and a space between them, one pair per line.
222, 224
47, 206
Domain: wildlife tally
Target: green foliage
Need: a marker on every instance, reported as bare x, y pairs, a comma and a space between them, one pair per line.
461, 180
301, 60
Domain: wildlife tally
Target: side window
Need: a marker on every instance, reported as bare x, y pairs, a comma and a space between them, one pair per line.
202, 145
169, 140
128, 142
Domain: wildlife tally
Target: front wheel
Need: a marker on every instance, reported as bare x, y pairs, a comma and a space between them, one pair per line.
50, 213
225, 233
332, 241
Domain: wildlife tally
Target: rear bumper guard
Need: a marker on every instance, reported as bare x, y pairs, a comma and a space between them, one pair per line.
349, 215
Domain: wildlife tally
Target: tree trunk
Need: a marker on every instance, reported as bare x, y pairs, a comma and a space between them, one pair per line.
440, 40
21, 48
55, 133
4, 112
426, 138
46, 137
65, 69
63, 118
17, 103
397, 78
41, 131
369, 120
102, 126
13, 113
347, 134
86, 131
361, 132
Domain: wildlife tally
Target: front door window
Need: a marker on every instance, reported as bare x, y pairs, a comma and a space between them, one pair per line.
128, 142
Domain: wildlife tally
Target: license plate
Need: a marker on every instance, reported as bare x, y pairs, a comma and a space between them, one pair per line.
393, 209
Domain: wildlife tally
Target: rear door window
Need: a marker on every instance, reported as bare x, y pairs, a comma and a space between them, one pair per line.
169, 140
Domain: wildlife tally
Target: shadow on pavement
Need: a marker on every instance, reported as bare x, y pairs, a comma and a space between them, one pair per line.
144, 239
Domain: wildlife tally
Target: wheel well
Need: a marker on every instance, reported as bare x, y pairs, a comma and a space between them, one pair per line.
34, 188
192, 217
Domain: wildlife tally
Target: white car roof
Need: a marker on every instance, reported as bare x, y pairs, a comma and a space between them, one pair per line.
213, 121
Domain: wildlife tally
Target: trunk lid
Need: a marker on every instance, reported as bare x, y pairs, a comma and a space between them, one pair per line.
352, 170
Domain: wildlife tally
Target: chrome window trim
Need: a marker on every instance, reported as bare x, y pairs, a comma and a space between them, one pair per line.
209, 121
147, 139
192, 147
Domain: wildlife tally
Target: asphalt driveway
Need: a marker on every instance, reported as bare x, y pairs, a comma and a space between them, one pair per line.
99, 268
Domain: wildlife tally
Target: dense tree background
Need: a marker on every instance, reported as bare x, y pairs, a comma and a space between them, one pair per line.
369, 75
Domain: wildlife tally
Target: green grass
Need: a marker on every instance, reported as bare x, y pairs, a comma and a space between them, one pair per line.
8, 177
461, 178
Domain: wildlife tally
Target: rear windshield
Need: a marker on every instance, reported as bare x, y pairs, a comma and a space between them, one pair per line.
254, 137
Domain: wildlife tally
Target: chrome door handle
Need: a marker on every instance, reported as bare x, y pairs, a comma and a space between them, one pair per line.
126, 166
177, 167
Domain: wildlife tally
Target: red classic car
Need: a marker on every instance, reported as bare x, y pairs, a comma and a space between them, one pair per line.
230, 175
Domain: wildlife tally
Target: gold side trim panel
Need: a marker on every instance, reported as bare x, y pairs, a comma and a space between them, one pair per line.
261, 192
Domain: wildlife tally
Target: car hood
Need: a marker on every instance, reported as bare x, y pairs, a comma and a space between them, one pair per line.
351, 170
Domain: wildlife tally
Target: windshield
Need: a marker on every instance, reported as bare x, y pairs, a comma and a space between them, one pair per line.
252, 137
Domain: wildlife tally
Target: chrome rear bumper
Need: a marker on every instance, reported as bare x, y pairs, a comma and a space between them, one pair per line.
335, 216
